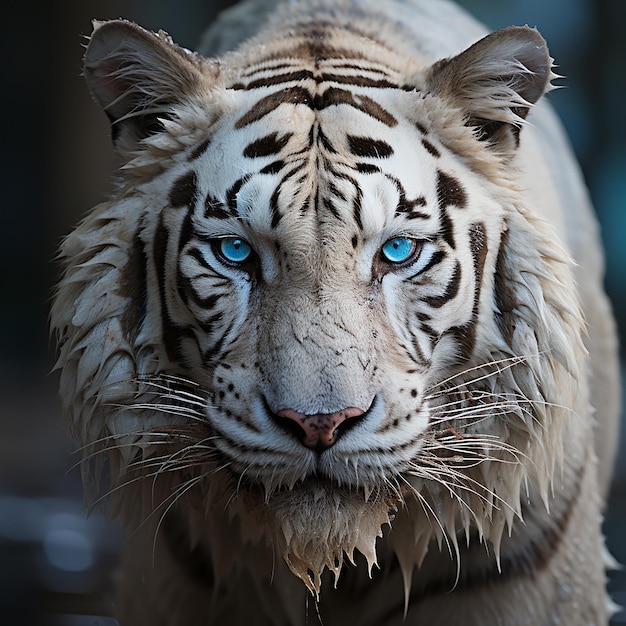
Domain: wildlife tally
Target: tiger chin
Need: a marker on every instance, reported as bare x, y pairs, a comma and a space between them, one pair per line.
337, 346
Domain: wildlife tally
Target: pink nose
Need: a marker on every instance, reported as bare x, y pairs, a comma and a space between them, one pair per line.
319, 431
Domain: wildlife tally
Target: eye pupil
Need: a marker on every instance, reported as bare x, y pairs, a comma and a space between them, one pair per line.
235, 250
398, 249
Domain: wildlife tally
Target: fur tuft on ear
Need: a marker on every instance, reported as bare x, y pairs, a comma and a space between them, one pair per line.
136, 76
496, 81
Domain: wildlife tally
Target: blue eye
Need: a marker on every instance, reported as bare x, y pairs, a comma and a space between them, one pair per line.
398, 250
234, 249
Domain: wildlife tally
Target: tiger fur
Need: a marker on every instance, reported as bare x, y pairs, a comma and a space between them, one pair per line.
326, 347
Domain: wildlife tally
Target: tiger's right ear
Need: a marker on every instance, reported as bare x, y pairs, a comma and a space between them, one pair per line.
137, 76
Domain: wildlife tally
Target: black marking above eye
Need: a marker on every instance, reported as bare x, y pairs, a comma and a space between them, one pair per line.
266, 146
367, 168
273, 168
233, 191
214, 208
368, 147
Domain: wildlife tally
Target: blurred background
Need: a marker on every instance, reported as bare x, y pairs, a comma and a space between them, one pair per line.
56, 565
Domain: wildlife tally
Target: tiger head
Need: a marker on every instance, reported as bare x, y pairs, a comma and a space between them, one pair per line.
317, 296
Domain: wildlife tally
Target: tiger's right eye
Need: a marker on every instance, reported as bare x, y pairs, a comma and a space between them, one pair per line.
234, 250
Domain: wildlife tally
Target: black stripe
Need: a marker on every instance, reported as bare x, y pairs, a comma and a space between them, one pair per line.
430, 148
291, 95
232, 193
199, 258
420, 356
325, 142
212, 355
185, 289
275, 213
465, 335
330, 205
278, 79
276, 216
200, 149
335, 96
266, 146
335, 191
367, 168
357, 207
208, 325
436, 258
214, 208
259, 67
446, 230
451, 291
170, 332
368, 147
450, 192
478, 246
273, 168
407, 207
364, 68
184, 191
188, 292
357, 81
417, 215
307, 205
133, 285
506, 301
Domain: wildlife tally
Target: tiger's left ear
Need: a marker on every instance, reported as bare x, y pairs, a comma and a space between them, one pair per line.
496, 82
137, 77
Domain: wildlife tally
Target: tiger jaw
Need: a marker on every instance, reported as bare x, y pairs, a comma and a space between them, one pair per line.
316, 506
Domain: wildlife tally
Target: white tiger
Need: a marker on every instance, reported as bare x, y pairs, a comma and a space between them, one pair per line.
330, 324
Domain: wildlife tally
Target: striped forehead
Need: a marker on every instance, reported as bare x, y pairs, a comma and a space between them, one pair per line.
349, 158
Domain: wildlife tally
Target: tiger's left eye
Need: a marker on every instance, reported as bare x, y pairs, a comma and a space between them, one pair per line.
235, 250
399, 250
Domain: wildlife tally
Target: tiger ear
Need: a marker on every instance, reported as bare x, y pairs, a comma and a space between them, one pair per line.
136, 76
496, 82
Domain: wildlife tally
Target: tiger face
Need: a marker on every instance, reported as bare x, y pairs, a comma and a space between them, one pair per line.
331, 274
313, 315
